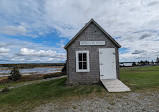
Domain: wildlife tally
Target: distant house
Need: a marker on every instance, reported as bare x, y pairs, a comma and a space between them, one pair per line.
92, 55
126, 64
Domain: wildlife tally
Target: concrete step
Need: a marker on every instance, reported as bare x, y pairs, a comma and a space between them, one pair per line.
115, 85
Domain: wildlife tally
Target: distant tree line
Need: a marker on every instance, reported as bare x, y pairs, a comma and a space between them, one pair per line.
144, 63
31, 65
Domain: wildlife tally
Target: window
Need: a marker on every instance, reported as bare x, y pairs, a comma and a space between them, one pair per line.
82, 61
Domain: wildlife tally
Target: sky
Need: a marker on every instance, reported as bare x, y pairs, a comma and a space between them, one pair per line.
35, 31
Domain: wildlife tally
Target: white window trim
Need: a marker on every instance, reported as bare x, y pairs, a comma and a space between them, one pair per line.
77, 63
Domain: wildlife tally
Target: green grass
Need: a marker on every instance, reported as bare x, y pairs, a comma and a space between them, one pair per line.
14, 84
141, 78
36, 94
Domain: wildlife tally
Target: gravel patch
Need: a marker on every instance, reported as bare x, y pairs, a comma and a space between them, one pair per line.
139, 101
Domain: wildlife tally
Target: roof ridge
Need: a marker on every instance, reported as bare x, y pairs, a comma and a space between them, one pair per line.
86, 25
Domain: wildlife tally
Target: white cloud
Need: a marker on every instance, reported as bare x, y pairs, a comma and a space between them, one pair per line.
135, 21
67, 17
61, 43
118, 17
17, 30
40, 53
13, 30
4, 50
12, 52
43, 53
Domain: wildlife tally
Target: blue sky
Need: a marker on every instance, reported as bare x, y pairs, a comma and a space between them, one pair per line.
35, 31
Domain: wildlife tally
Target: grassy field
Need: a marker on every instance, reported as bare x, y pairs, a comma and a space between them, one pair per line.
36, 94
30, 96
141, 78
5, 82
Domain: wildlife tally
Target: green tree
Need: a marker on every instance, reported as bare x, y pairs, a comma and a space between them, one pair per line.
64, 69
157, 60
133, 64
152, 62
147, 62
15, 74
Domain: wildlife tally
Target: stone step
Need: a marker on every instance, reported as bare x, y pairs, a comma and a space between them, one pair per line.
115, 85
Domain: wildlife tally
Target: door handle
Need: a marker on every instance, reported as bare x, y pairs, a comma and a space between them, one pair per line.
101, 75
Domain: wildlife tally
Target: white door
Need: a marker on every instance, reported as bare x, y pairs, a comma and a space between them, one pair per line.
107, 63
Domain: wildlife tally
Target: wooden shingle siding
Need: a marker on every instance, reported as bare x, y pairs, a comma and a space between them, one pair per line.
91, 33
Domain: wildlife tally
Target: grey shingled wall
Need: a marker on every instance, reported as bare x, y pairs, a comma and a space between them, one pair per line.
91, 33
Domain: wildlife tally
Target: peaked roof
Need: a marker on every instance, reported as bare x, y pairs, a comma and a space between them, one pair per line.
87, 24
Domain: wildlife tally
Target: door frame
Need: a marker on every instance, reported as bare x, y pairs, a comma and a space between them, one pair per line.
115, 70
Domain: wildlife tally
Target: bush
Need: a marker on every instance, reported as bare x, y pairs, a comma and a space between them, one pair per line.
133, 64
15, 74
5, 89
64, 69
52, 75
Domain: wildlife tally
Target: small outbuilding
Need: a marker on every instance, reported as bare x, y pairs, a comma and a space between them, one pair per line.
92, 55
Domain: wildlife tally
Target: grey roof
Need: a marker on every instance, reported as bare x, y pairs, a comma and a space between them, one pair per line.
116, 43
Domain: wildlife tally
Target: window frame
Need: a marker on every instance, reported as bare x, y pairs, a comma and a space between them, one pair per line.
87, 60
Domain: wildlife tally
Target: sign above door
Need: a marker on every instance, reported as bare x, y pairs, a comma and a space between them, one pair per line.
92, 42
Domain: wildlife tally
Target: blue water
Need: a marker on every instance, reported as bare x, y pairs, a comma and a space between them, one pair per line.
30, 71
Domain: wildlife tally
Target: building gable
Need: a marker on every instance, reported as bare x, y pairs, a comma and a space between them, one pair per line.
86, 26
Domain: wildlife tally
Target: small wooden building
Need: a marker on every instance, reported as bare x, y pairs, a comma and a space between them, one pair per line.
92, 55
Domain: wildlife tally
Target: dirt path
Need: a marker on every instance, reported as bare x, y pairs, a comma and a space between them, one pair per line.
34, 82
